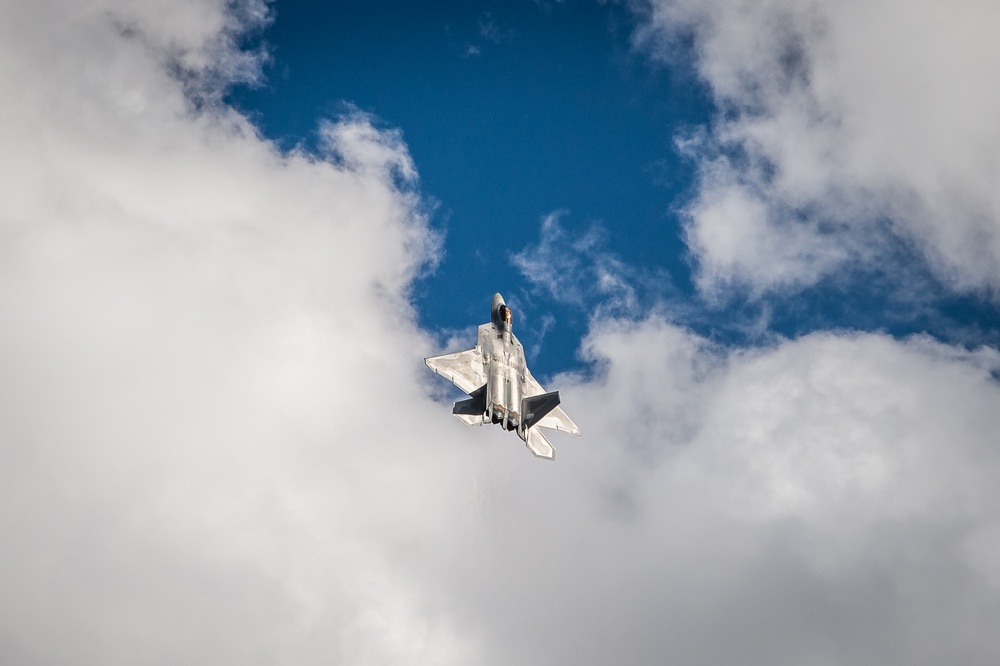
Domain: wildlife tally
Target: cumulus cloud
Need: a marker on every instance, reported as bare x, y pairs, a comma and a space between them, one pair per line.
216, 445
841, 126
203, 341
817, 502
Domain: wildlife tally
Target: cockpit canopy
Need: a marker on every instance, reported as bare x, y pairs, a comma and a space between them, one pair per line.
503, 318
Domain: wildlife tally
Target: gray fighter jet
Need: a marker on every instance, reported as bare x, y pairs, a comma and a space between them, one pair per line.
500, 387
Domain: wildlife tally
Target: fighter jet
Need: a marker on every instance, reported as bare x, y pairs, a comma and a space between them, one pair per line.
500, 387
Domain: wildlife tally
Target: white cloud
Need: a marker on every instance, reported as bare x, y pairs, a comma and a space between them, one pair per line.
203, 342
829, 500
215, 444
576, 269
837, 117
741, 241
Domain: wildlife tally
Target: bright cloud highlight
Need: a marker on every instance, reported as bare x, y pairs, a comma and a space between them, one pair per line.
841, 125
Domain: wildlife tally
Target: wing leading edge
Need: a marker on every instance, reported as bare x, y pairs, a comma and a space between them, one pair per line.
464, 369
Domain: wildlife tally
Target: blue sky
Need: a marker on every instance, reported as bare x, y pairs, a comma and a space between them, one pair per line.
516, 110
511, 111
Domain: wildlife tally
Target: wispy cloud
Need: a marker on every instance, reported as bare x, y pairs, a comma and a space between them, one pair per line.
489, 29
577, 269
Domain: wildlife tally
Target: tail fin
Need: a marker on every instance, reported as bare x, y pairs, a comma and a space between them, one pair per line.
535, 408
471, 410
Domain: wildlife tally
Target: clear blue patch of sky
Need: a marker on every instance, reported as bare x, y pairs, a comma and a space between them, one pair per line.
514, 109
511, 110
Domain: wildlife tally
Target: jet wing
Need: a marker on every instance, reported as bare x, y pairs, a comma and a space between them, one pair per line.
464, 369
557, 419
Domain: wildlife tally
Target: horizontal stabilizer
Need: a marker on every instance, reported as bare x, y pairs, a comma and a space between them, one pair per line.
471, 410
538, 445
535, 408
557, 419
471, 420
